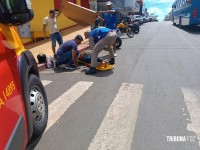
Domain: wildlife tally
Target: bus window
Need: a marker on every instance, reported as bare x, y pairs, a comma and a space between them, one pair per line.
189, 1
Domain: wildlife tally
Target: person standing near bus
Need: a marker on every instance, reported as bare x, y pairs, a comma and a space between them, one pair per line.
51, 22
110, 18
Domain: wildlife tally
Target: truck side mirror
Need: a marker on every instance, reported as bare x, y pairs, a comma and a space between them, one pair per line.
15, 12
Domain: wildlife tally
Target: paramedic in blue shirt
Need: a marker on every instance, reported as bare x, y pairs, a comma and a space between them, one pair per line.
99, 38
67, 53
110, 18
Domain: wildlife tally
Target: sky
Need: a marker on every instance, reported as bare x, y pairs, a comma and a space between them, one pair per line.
159, 7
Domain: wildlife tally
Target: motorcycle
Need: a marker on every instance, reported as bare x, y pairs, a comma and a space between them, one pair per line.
136, 27
118, 40
125, 27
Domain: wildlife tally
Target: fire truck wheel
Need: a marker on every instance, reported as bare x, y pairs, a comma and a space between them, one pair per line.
39, 105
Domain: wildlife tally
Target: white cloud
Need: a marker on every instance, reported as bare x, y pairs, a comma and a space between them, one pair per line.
160, 1
156, 3
159, 12
155, 10
168, 9
159, 8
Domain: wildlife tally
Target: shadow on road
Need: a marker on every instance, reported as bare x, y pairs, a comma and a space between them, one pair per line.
102, 73
192, 30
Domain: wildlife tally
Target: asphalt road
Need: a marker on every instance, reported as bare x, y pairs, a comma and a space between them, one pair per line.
150, 101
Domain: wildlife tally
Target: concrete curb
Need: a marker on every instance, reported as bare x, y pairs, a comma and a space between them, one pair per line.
43, 65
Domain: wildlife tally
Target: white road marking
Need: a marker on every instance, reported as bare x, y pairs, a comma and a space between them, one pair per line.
117, 128
46, 82
50, 71
183, 37
192, 100
59, 106
63, 71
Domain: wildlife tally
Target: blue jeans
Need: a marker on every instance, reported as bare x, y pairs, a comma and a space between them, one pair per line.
56, 37
65, 59
87, 59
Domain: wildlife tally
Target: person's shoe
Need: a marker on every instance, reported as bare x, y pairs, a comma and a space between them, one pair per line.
112, 61
54, 56
92, 70
115, 54
99, 60
69, 68
54, 65
78, 67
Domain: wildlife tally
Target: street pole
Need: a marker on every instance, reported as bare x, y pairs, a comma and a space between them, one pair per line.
93, 6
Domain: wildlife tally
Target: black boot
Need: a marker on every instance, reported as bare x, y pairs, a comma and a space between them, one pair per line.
112, 61
92, 70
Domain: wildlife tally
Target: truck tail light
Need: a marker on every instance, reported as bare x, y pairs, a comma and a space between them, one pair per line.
194, 13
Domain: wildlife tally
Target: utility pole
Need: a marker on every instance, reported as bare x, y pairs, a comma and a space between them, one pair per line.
93, 6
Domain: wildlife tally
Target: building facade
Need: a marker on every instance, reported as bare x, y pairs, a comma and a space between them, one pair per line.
140, 2
41, 10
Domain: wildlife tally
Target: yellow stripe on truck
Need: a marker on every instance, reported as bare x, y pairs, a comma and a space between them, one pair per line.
12, 40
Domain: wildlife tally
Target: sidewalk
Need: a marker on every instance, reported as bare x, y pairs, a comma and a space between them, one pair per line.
44, 46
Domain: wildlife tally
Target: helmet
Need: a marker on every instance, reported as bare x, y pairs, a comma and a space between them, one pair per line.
41, 58
108, 3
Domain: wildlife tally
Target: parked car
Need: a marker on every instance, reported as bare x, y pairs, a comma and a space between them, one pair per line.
138, 18
145, 19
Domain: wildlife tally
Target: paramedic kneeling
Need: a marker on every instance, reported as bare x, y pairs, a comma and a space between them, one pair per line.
67, 53
99, 38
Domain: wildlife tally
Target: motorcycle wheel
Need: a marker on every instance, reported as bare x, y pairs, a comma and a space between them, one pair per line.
137, 31
120, 31
130, 33
118, 42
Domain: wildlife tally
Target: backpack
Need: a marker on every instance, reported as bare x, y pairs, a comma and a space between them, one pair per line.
50, 62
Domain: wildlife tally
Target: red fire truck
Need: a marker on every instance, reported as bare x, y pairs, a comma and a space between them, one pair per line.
23, 100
